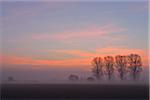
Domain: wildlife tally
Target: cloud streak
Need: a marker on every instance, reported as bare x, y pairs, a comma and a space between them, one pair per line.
87, 33
29, 61
84, 57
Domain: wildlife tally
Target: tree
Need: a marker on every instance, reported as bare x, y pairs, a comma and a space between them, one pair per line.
109, 66
73, 77
135, 65
97, 69
121, 65
10, 79
90, 79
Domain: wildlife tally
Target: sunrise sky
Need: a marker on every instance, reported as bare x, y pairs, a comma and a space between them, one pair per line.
69, 34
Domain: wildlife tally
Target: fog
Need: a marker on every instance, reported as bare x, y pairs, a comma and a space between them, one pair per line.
27, 74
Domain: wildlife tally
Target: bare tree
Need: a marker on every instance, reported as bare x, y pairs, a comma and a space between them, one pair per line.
73, 77
10, 79
121, 65
90, 79
135, 65
109, 66
97, 69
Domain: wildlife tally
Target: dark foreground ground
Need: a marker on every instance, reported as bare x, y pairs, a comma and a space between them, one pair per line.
74, 91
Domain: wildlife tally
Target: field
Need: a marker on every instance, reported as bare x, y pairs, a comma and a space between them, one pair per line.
74, 91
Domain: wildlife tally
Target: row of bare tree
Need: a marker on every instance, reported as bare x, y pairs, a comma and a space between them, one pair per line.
122, 64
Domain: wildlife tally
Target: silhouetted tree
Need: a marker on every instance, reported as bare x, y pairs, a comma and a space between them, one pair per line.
121, 65
109, 66
73, 77
135, 65
90, 79
97, 69
10, 78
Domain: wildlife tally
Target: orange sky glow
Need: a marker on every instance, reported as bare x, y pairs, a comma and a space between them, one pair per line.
84, 57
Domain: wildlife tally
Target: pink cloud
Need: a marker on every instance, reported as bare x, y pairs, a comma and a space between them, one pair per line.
113, 51
29, 61
79, 53
83, 59
119, 50
102, 52
88, 33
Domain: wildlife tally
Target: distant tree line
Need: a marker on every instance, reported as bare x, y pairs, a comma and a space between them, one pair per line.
122, 64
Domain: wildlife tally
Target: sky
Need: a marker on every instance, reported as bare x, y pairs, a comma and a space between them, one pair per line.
66, 36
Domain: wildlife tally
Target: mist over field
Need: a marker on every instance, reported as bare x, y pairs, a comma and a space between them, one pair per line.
54, 75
